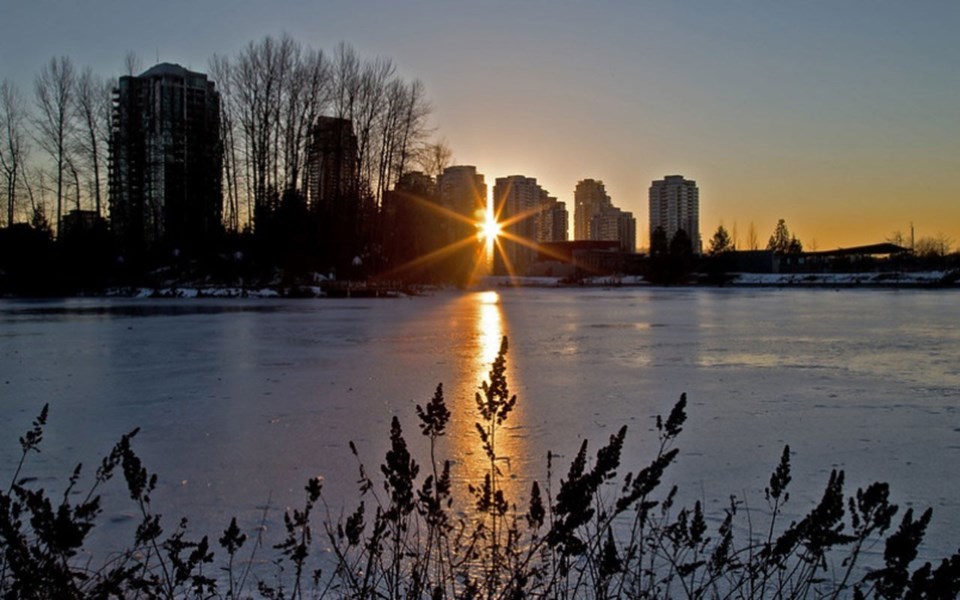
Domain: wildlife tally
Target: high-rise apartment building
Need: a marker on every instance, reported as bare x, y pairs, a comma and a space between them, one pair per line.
165, 160
410, 226
516, 204
611, 223
598, 219
529, 215
589, 197
461, 191
552, 221
332, 164
627, 231
675, 205
332, 171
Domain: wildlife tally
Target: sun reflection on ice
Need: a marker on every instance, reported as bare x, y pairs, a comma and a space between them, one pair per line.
471, 461
489, 328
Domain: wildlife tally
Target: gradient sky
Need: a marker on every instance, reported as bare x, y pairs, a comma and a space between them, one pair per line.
840, 116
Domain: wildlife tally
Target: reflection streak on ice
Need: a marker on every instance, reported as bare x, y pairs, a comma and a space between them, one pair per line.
489, 329
472, 464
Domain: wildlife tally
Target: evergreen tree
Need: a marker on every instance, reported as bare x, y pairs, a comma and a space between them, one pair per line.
720, 242
780, 240
659, 244
680, 245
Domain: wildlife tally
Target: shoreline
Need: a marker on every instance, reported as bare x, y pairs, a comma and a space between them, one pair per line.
917, 280
925, 280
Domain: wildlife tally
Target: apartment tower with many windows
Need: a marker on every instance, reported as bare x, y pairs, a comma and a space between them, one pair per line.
675, 205
589, 198
597, 219
529, 215
462, 196
165, 160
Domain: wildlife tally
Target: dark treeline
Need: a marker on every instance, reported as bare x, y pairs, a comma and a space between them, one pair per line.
671, 260
308, 144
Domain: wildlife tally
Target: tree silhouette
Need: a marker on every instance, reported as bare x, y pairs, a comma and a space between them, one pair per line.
680, 244
782, 242
54, 88
670, 262
720, 242
794, 247
658, 242
92, 107
433, 158
752, 241
13, 143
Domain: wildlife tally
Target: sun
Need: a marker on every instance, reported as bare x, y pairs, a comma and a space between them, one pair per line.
488, 229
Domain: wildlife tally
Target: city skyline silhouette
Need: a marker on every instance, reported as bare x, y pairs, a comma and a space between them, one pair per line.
839, 119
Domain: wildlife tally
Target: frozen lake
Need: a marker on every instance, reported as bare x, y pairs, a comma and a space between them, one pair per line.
240, 401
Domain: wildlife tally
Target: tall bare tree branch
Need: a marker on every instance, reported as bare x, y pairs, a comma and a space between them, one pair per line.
54, 89
13, 148
93, 113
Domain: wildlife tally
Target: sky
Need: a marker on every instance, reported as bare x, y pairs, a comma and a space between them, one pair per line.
840, 116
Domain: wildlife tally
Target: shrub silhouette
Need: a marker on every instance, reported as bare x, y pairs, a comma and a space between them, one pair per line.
599, 535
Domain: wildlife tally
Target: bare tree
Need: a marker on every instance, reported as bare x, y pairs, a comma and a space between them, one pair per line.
75, 174
307, 93
35, 181
274, 92
220, 72
402, 131
937, 246
256, 84
389, 133
388, 115
131, 63
433, 158
54, 88
897, 238
13, 149
753, 242
93, 113
371, 104
282, 64
346, 81
415, 128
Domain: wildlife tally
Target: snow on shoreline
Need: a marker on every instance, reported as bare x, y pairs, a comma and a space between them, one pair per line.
807, 280
192, 292
922, 278
944, 279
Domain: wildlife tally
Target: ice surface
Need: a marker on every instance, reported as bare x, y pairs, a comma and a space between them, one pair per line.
240, 401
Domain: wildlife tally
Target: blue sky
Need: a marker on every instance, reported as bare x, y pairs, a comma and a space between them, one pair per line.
842, 117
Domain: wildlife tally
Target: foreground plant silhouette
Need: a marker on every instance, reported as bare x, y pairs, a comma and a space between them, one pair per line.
597, 536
